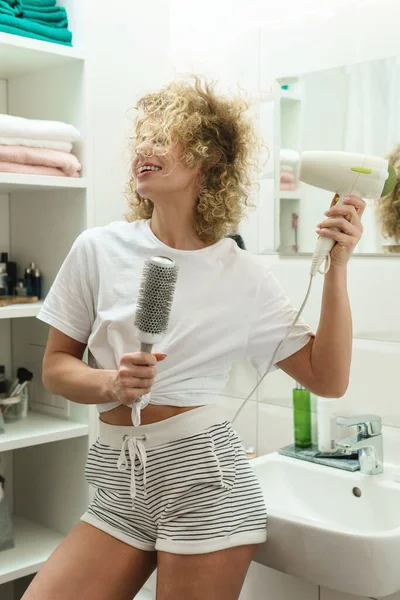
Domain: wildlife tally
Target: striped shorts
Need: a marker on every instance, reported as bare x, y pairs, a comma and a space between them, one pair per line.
183, 485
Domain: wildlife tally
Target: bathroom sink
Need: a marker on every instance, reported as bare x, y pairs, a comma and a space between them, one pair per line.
336, 528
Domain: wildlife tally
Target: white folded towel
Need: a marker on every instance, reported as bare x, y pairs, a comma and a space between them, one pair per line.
289, 156
50, 144
11, 126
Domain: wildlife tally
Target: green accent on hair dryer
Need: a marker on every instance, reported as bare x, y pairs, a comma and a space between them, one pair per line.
390, 181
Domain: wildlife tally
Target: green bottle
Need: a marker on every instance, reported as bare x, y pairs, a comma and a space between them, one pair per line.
302, 416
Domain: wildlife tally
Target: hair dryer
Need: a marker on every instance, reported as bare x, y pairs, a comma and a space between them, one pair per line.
344, 173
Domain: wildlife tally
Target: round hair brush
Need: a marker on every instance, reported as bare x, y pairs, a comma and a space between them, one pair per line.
154, 303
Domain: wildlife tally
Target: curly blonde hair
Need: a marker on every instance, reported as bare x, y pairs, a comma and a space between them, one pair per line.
388, 207
215, 133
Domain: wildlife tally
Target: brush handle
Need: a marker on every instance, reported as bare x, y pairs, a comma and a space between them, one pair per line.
322, 249
146, 347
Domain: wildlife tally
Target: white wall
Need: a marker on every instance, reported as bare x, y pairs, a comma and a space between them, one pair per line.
127, 57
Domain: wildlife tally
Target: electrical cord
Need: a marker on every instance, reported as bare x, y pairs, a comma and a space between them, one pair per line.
280, 344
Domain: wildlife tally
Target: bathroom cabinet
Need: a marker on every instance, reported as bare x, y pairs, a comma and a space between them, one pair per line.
42, 456
93, 86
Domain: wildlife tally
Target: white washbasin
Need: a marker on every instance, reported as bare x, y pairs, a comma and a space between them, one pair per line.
321, 529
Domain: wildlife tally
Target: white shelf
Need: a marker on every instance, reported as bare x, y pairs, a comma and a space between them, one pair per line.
267, 175
17, 182
38, 429
290, 96
33, 546
289, 195
20, 55
15, 311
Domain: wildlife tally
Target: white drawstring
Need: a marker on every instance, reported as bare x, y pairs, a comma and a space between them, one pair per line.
135, 448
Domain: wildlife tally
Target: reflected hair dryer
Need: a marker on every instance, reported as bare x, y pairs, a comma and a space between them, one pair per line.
344, 173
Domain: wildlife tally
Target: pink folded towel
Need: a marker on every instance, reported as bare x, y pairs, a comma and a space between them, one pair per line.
31, 143
9, 167
288, 187
287, 177
41, 157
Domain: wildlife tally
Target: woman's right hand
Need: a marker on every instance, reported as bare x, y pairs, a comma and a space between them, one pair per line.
135, 376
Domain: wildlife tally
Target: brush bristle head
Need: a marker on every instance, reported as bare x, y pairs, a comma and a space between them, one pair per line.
156, 293
24, 375
390, 181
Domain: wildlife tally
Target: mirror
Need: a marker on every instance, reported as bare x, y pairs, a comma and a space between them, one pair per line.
353, 108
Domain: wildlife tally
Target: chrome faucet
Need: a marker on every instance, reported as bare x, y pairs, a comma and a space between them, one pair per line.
368, 442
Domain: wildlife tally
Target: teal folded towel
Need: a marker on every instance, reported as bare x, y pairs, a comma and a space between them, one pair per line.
58, 20
29, 34
35, 29
41, 9
6, 8
60, 24
41, 3
42, 16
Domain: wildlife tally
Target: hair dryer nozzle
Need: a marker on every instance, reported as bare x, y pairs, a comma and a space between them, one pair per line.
345, 173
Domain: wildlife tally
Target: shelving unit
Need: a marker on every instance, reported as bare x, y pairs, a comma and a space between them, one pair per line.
33, 546
290, 195
290, 96
21, 55
16, 311
10, 182
43, 453
288, 203
39, 429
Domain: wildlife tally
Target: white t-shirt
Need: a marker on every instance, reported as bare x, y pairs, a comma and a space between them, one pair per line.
227, 306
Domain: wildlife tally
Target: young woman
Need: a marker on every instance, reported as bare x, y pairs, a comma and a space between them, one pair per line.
177, 492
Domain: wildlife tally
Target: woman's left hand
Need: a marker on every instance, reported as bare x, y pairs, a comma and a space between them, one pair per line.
347, 217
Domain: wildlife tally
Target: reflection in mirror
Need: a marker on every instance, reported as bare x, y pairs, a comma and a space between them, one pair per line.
352, 108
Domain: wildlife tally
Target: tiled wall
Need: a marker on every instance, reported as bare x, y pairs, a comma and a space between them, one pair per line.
267, 420
374, 286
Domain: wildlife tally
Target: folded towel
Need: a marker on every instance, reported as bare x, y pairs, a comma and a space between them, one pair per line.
58, 24
38, 130
41, 3
7, 9
51, 17
287, 177
52, 145
40, 9
57, 14
31, 35
36, 30
6, 167
41, 157
288, 156
288, 187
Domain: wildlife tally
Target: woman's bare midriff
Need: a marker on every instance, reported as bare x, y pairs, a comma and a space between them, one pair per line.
122, 415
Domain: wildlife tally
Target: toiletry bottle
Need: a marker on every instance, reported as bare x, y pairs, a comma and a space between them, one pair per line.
11, 268
3, 280
33, 280
302, 416
326, 419
28, 279
20, 289
251, 452
37, 283
3, 382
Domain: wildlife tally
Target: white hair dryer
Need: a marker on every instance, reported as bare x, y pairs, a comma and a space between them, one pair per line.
344, 173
